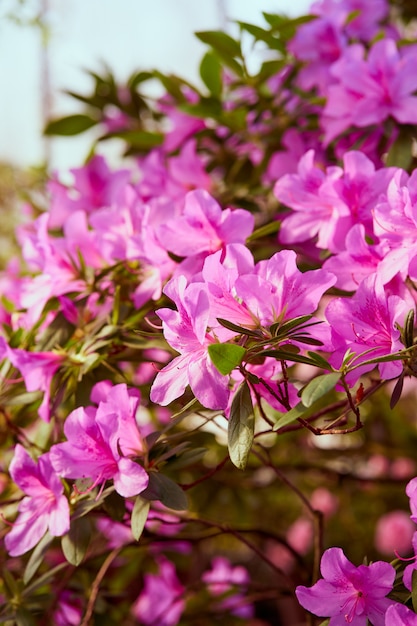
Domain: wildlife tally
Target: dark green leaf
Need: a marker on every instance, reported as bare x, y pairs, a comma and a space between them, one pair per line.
237, 329
75, 542
139, 516
319, 360
211, 74
162, 488
414, 590
24, 617
318, 387
241, 427
226, 48
221, 42
409, 329
226, 356
263, 231
397, 391
138, 78
283, 355
189, 457
115, 506
400, 153
70, 125
10, 584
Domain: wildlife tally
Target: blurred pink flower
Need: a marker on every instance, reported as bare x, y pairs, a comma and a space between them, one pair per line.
394, 532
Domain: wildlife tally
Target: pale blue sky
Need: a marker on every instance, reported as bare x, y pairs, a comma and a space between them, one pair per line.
126, 34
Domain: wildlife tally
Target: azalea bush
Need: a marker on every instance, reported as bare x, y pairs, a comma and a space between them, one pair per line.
208, 354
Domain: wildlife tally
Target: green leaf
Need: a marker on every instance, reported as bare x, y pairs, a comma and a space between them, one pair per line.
226, 356
397, 391
211, 74
241, 427
37, 557
24, 617
318, 387
139, 516
400, 153
238, 329
162, 488
263, 231
40, 581
11, 586
75, 542
70, 125
139, 139
319, 360
226, 48
221, 42
286, 355
115, 506
414, 590
287, 418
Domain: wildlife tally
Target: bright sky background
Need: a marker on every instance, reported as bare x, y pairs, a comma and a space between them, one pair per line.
126, 34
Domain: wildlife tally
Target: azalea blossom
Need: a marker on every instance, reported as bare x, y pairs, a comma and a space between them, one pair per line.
161, 601
366, 324
44, 506
349, 594
100, 444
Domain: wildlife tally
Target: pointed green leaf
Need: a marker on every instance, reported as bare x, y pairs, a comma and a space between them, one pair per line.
162, 488
237, 329
70, 125
221, 42
37, 557
75, 542
318, 387
241, 427
139, 516
226, 356
319, 360
290, 416
211, 74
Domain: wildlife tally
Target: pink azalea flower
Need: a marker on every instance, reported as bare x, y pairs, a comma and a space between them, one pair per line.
408, 572
400, 615
186, 331
94, 186
38, 370
349, 594
367, 321
277, 289
44, 506
411, 491
395, 223
393, 534
223, 578
328, 204
100, 444
161, 601
204, 226
370, 90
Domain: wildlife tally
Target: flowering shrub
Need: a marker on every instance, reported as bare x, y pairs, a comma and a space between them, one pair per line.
208, 357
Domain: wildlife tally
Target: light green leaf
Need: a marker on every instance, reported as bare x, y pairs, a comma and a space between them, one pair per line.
226, 356
318, 387
139, 516
290, 416
241, 427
